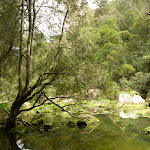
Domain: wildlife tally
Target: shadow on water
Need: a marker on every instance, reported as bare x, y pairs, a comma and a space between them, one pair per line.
107, 136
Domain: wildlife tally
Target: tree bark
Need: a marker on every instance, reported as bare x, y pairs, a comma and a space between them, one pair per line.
21, 50
28, 55
31, 8
25, 97
11, 122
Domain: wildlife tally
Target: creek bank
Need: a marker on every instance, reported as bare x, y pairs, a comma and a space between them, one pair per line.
84, 122
49, 116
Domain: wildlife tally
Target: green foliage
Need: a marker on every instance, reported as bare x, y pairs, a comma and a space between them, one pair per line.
127, 70
128, 92
140, 26
4, 106
50, 91
147, 130
125, 35
146, 63
8, 24
101, 99
140, 83
102, 7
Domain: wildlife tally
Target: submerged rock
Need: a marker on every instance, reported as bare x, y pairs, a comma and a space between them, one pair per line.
147, 130
47, 128
81, 125
130, 98
87, 123
71, 124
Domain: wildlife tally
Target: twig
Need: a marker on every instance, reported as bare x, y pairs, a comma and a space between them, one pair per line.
99, 107
112, 111
69, 104
7, 112
113, 121
27, 124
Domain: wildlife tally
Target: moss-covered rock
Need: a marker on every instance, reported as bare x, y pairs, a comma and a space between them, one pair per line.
147, 130
87, 123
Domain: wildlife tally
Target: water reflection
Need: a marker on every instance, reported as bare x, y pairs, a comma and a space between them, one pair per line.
131, 114
107, 136
12, 142
21, 145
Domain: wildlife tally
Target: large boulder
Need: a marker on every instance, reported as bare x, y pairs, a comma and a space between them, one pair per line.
92, 93
130, 99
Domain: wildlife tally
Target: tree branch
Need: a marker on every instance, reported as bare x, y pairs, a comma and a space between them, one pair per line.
61, 107
34, 105
27, 124
59, 45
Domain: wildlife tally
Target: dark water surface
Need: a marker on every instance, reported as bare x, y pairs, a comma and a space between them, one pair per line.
126, 134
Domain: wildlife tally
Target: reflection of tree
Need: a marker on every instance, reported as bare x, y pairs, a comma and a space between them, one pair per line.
12, 142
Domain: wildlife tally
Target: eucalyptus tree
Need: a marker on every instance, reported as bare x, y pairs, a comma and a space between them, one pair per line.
34, 90
102, 6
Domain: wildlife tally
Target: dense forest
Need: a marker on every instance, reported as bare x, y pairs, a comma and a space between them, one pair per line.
107, 49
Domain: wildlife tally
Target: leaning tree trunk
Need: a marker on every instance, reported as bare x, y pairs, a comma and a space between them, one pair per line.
11, 122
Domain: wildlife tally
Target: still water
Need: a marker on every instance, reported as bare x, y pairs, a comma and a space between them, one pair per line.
125, 134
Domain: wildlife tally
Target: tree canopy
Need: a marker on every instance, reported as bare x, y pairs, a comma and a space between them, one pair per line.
107, 49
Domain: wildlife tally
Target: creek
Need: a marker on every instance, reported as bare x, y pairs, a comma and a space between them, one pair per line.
110, 134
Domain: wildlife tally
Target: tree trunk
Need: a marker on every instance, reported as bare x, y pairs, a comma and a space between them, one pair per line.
11, 122
21, 50
32, 34
28, 55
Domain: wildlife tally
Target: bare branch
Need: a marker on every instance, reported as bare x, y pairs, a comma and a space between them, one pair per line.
39, 82
39, 7
34, 105
50, 99
69, 105
7, 112
27, 124
113, 111
114, 122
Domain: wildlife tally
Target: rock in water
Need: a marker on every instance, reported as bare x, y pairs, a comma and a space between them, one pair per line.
47, 128
147, 130
81, 125
87, 123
